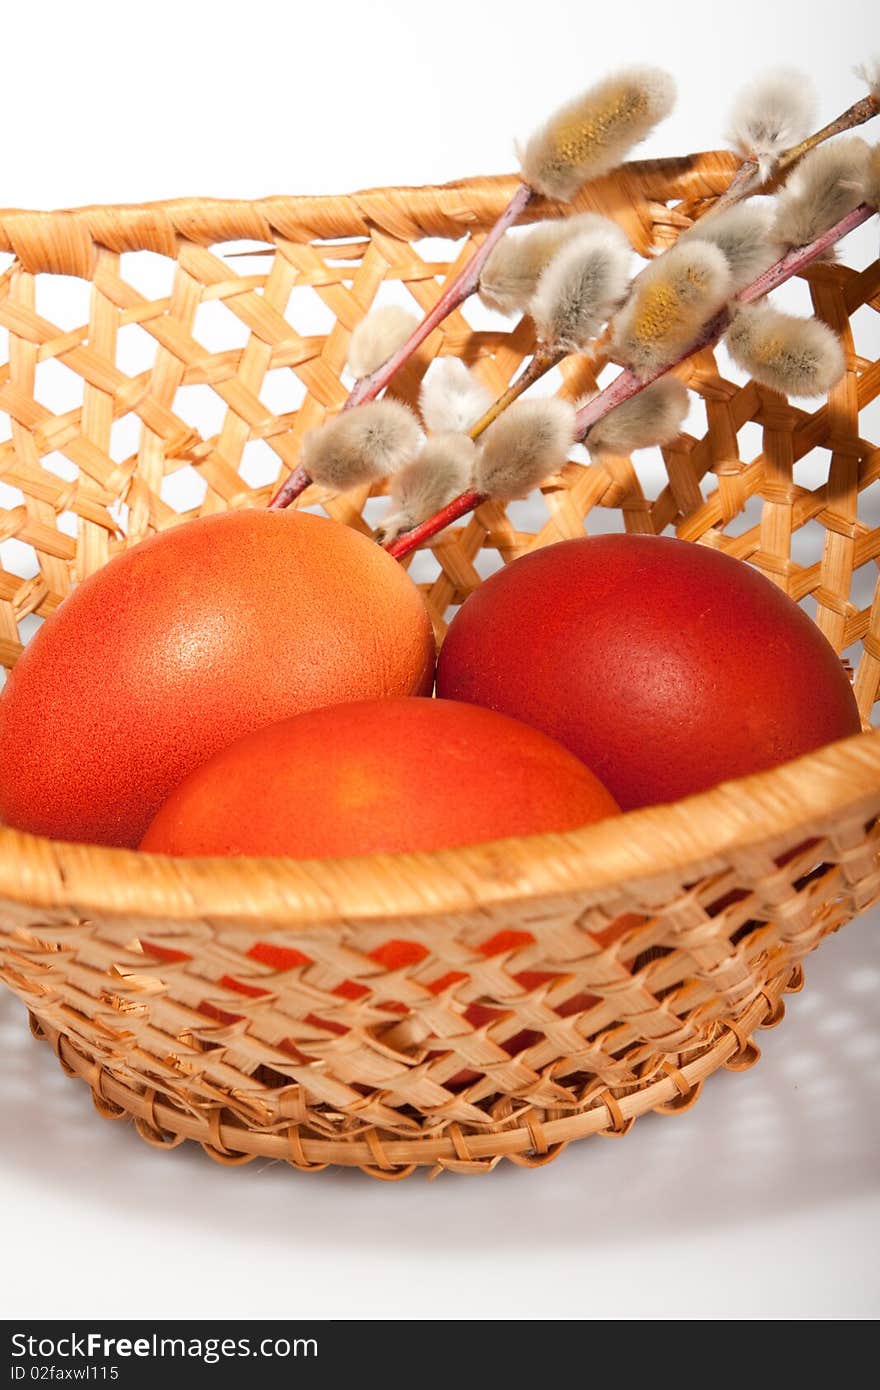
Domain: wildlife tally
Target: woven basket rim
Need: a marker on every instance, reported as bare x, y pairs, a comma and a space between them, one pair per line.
693, 837
448, 209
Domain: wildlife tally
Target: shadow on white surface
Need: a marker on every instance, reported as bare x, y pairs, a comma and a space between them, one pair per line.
798, 1132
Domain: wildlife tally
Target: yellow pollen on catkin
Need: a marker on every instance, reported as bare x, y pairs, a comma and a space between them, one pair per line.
769, 351
658, 305
575, 136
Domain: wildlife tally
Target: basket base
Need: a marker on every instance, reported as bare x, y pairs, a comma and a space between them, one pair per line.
160, 1121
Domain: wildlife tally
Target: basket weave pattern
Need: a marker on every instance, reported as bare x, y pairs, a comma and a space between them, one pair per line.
456, 1008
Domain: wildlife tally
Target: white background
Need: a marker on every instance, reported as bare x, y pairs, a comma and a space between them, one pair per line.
764, 1200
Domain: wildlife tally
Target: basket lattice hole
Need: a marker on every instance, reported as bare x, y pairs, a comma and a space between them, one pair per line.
859, 249
807, 544
201, 408
747, 519
184, 490
424, 569
308, 314
29, 626
794, 298
811, 471
869, 416
125, 438
135, 350
486, 321
217, 327
528, 514
19, 559
750, 440
727, 368
374, 510
151, 274
488, 562
10, 496
695, 422
864, 325
57, 387
64, 300
282, 392
260, 465
436, 253
863, 586
60, 465
68, 524
869, 501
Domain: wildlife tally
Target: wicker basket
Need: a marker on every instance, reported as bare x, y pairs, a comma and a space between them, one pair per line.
444, 1009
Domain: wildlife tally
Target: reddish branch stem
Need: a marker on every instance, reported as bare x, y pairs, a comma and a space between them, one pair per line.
295, 483
455, 293
426, 530
745, 181
627, 385
748, 179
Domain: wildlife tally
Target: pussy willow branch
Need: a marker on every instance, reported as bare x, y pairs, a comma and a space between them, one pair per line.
745, 181
460, 288
748, 179
627, 385
544, 360
456, 292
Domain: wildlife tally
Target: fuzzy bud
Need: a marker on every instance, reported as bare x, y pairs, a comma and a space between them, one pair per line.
672, 300
441, 471
361, 445
653, 416
581, 287
798, 357
511, 274
594, 133
524, 446
869, 72
744, 233
770, 115
827, 184
452, 399
377, 337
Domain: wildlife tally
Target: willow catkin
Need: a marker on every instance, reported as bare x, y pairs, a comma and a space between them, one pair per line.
378, 336
827, 184
361, 445
441, 471
653, 416
511, 274
798, 357
744, 233
581, 287
671, 301
869, 72
524, 446
772, 113
451, 397
596, 131
872, 177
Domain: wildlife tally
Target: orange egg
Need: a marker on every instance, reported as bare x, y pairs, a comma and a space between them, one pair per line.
667, 666
186, 642
387, 775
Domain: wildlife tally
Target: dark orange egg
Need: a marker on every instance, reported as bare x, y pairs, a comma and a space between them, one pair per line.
385, 775
186, 642
667, 666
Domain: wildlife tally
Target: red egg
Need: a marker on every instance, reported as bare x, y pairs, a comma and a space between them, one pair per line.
667, 666
384, 775
186, 642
